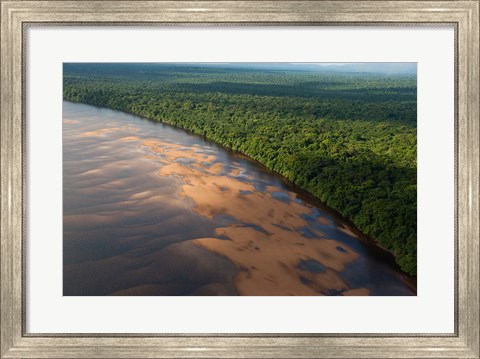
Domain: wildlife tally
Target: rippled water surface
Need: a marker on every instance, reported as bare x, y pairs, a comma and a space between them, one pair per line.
153, 210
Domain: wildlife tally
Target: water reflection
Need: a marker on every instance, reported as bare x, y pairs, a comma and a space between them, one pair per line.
152, 210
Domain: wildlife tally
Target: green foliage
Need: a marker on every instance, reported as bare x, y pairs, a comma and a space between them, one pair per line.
349, 139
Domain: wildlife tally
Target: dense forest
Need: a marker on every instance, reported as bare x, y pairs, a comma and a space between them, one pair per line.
347, 138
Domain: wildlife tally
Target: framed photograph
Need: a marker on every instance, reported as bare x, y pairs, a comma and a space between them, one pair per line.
239, 179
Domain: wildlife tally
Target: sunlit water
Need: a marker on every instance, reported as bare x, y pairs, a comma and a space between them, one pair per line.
153, 210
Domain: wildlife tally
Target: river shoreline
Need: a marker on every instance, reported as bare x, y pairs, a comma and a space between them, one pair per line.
176, 153
373, 244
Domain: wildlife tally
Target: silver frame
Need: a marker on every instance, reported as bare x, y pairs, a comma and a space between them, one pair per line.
17, 15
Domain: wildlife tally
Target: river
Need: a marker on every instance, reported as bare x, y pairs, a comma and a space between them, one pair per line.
150, 209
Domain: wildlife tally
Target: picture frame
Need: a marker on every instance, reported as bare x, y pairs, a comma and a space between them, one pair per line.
17, 15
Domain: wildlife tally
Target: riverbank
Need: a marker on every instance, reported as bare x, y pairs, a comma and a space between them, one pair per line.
404, 257
348, 139
279, 242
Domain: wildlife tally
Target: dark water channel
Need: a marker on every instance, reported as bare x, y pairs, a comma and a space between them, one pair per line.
153, 210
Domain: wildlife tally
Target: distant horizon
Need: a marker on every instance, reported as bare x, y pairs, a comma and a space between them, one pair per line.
405, 68
357, 67
373, 67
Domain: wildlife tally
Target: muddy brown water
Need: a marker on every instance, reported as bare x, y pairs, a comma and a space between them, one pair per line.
149, 209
